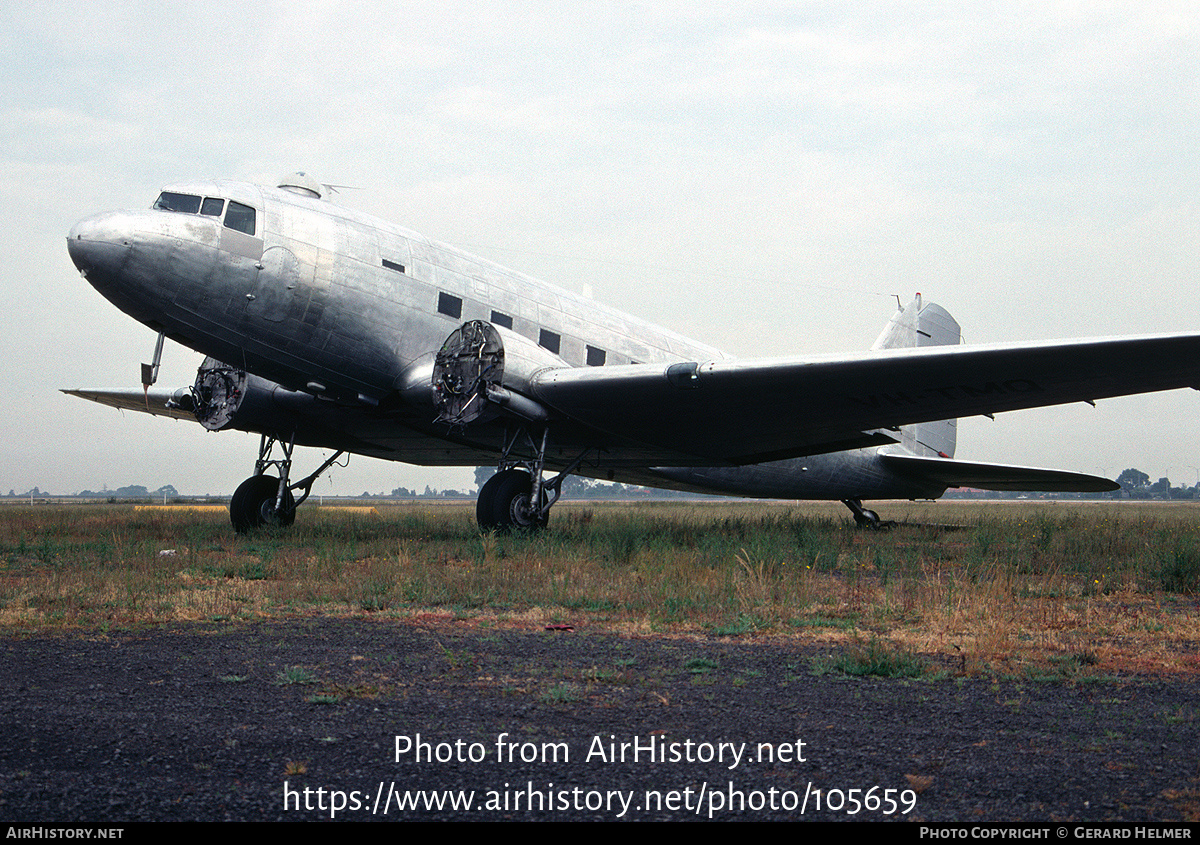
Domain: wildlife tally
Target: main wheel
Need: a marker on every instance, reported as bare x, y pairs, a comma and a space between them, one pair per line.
504, 503
486, 503
253, 505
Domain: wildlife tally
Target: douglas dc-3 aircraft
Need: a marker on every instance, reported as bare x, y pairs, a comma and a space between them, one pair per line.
329, 328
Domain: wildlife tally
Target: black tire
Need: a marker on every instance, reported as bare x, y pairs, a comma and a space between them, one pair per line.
486, 503
253, 505
868, 519
504, 503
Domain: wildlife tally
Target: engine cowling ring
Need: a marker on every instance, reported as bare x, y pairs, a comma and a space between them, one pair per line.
218, 393
471, 360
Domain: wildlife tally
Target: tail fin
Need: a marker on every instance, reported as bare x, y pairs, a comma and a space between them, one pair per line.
920, 324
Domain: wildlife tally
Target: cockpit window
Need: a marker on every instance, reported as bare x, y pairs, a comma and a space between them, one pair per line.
185, 203
237, 216
240, 217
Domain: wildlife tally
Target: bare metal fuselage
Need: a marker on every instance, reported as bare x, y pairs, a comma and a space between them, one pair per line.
338, 314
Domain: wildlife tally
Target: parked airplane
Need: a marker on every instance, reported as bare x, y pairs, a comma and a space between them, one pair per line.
329, 328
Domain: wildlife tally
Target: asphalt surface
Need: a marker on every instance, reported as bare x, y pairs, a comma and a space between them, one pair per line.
236, 721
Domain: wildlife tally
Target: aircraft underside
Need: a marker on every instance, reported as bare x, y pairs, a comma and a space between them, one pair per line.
535, 455
224, 397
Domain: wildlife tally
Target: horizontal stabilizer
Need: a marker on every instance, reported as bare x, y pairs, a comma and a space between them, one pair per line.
152, 402
954, 473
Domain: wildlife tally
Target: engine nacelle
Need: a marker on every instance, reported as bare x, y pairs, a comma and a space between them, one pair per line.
226, 397
524, 359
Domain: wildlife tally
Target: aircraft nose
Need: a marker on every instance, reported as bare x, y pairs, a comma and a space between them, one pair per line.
98, 244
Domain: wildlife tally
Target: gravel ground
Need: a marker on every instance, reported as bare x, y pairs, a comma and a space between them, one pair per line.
209, 722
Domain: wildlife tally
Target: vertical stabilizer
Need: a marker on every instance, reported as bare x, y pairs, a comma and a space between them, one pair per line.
923, 324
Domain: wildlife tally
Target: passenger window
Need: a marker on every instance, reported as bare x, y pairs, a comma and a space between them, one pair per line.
240, 217
549, 340
213, 206
185, 203
449, 305
501, 319
595, 357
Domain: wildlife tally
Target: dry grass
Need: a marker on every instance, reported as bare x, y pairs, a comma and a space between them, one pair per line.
1068, 591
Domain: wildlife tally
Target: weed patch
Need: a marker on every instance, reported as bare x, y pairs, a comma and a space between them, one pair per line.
564, 693
294, 675
701, 665
875, 657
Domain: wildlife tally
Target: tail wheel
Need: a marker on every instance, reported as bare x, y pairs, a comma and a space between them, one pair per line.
863, 516
253, 505
868, 519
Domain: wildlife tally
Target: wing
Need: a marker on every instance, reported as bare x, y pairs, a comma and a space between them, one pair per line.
150, 402
740, 412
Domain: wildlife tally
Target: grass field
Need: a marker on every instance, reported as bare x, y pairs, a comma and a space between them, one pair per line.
1066, 591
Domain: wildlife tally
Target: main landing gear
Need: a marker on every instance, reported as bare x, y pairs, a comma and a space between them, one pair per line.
263, 499
517, 497
258, 502
505, 502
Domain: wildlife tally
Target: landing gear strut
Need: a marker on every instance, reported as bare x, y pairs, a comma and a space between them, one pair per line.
264, 499
864, 517
517, 497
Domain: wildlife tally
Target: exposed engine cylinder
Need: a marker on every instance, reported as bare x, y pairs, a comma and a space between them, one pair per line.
217, 393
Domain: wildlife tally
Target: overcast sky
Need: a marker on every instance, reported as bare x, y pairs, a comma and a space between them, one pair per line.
764, 176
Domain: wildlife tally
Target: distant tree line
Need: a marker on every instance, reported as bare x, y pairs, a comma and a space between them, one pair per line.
1135, 484
133, 491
